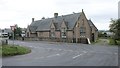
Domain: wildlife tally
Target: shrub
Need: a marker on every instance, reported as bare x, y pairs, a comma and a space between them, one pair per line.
111, 42
118, 42
114, 42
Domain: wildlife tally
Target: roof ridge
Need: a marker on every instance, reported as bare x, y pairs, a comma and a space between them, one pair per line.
58, 16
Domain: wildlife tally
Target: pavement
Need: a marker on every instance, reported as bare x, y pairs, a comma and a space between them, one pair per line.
63, 54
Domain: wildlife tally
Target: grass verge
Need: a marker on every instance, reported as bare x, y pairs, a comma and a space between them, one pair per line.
97, 41
118, 42
10, 50
112, 42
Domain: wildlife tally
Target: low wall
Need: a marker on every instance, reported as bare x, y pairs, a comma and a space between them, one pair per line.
70, 40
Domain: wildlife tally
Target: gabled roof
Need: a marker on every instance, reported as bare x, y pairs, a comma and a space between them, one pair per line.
92, 25
42, 25
32, 28
56, 26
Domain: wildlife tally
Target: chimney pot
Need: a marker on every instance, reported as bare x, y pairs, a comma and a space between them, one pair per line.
82, 10
33, 19
55, 15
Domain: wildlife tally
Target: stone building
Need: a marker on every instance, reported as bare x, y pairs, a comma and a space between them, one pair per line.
66, 28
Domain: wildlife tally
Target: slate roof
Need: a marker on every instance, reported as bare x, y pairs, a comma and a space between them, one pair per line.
44, 24
33, 28
92, 25
56, 26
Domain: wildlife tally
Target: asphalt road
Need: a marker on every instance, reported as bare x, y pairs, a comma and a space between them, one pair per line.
63, 54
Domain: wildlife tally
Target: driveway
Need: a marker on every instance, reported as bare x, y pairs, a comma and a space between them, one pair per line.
103, 42
63, 54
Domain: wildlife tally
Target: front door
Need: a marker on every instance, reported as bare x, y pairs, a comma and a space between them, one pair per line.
93, 39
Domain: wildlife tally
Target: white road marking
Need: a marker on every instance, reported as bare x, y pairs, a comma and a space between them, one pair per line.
76, 56
80, 54
60, 49
53, 55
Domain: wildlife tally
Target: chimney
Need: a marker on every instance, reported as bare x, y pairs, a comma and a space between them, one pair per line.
33, 19
55, 15
43, 18
82, 10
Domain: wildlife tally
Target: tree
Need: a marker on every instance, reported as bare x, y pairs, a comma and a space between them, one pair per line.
115, 28
17, 32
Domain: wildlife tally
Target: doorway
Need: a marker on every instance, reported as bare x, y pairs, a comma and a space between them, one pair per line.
93, 37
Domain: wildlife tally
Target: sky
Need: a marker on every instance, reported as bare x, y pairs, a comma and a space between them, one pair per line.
21, 12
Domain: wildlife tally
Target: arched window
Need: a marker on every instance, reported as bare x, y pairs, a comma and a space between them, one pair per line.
82, 31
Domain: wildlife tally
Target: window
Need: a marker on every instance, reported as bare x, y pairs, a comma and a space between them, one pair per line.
63, 32
52, 32
52, 29
82, 21
82, 31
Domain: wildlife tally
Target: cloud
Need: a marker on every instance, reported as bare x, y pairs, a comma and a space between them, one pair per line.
21, 11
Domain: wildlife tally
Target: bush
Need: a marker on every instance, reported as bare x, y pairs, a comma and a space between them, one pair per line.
114, 42
111, 42
10, 50
118, 42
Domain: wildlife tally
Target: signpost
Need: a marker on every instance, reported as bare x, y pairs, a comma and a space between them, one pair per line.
13, 29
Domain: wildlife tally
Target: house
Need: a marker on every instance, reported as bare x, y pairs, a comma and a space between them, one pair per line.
67, 28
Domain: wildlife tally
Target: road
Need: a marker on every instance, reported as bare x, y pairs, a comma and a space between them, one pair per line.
63, 54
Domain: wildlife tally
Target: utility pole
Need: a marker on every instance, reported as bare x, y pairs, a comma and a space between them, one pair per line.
13, 38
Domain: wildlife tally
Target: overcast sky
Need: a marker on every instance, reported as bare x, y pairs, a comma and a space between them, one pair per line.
21, 12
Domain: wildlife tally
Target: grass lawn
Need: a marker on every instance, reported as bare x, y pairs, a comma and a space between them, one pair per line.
10, 50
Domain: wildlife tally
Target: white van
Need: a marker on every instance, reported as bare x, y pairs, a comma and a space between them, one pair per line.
3, 38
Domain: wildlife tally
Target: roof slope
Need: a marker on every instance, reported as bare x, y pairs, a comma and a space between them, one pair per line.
92, 25
42, 25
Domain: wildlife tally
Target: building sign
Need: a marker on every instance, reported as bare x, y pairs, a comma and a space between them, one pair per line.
13, 28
